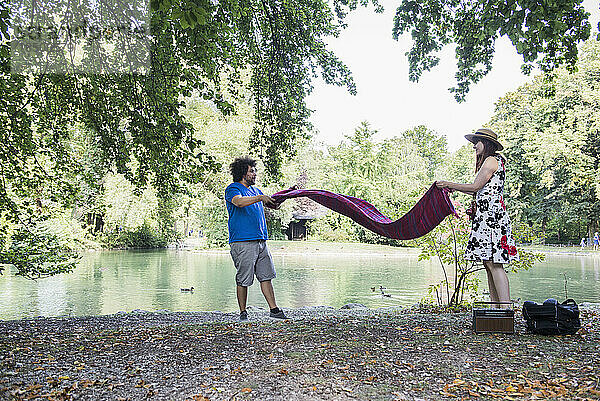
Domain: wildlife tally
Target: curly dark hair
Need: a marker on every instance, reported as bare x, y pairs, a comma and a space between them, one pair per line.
239, 167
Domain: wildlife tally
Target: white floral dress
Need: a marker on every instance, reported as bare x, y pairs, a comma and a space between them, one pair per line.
491, 236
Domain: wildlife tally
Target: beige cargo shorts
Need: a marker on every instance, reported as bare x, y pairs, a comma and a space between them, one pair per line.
252, 258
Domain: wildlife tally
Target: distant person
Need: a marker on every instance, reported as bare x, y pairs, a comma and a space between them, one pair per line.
248, 235
596, 240
491, 240
582, 243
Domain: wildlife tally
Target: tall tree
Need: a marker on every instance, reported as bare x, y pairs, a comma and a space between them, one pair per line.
431, 146
133, 116
552, 130
391, 174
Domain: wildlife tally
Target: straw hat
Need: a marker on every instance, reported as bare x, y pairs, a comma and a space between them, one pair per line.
485, 134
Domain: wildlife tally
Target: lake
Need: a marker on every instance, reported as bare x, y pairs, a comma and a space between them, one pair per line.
308, 274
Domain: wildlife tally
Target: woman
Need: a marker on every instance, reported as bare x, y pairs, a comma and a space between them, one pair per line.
491, 238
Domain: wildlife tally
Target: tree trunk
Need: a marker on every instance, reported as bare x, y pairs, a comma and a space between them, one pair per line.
544, 231
99, 223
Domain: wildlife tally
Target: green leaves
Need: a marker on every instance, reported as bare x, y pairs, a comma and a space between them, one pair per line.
190, 17
548, 29
37, 252
144, 237
550, 127
132, 123
280, 43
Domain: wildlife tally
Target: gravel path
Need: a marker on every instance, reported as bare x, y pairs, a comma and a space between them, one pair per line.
321, 353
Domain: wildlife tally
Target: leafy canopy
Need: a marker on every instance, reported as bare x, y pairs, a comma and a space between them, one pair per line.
546, 30
132, 122
551, 130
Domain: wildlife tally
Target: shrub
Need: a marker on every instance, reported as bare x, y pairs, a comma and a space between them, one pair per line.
214, 224
447, 243
143, 236
38, 252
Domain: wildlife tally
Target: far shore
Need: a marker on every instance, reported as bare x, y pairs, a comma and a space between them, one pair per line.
278, 247
323, 248
341, 249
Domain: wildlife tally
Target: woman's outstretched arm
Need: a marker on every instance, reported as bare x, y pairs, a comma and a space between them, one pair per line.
490, 165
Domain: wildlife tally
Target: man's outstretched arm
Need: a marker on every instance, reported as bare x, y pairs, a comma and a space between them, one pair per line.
243, 201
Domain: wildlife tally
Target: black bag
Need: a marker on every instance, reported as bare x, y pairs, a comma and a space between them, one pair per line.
552, 317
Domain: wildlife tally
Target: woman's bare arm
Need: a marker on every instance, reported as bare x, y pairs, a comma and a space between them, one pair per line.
490, 165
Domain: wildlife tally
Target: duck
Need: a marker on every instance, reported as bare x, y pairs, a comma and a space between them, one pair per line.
383, 294
191, 289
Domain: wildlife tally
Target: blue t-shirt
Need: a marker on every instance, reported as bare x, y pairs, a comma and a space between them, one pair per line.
245, 223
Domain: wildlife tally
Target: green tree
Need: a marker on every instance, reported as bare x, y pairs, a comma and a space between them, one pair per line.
460, 165
550, 128
547, 31
392, 175
134, 120
431, 146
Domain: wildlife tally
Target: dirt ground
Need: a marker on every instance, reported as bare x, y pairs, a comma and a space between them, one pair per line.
411, 354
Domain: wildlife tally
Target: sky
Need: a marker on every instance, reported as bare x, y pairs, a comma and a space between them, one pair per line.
390, 102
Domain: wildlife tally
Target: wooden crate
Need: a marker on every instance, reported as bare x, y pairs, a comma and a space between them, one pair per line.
491, 320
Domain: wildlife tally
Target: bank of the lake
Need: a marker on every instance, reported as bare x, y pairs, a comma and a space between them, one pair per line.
308, 247
322, 353
199, 245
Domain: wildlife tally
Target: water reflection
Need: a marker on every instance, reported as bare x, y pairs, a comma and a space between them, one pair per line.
108, 282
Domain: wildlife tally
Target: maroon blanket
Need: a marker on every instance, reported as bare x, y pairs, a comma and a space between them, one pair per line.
429, 211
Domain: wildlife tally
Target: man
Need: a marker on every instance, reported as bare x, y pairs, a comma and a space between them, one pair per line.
248, 235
